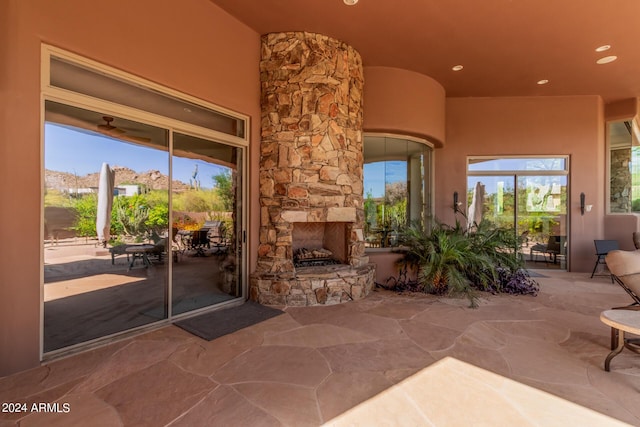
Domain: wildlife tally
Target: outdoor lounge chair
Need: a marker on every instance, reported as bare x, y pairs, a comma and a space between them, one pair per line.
625, 271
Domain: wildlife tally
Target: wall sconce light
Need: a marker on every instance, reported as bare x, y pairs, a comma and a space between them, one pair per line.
456, 203
582, 205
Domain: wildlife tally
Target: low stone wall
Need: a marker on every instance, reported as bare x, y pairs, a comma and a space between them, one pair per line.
314, 285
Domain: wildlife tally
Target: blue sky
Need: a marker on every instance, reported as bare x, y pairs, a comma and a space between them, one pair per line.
376, 174
82, 153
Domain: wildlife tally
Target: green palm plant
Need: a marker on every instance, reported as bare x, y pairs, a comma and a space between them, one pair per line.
458, 261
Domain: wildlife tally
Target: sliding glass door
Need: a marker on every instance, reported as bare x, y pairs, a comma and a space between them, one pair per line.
542, 218
143, 213
106, 197
141, 223
528, 195
206, 202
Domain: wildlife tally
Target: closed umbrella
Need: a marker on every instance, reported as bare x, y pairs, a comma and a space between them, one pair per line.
105, 203
477, 205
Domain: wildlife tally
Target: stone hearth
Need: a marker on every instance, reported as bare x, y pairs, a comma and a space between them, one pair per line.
311, 170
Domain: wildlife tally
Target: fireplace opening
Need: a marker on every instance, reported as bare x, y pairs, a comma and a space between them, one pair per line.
319, 243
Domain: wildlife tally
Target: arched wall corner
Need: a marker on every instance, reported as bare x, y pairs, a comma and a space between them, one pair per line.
404, 102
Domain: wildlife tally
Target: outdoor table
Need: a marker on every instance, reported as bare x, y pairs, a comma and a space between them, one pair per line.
140, 251
621, 321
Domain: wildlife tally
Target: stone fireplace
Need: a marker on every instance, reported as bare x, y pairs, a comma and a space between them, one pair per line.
311, 172
315, 242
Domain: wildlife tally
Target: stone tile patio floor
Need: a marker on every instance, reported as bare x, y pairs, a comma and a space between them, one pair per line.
311, 364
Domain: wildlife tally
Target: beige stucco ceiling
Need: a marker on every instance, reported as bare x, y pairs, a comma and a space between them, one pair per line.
505, 46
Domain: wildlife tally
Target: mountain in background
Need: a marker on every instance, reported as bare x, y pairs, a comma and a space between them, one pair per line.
152, 180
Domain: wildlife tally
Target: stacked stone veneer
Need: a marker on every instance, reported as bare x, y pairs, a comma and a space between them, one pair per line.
311, 166
620, 182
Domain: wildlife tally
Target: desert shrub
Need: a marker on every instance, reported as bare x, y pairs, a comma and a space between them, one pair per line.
86, 208
131, 214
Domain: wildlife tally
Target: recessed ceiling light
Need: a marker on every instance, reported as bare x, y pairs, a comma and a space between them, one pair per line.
543, 82
350, 2
457, 67
603, 48
606, 59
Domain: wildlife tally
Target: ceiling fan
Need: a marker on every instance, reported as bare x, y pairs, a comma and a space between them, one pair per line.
108, 129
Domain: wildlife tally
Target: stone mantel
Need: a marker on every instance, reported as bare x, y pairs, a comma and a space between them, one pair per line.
329, 215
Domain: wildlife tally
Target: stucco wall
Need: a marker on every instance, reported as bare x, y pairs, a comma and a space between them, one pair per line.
184, 46
530, 126
620, 227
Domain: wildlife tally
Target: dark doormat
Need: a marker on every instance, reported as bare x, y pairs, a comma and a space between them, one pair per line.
535, 274
210, 326
188, 304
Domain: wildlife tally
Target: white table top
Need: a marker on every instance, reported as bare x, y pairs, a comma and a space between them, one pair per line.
624, 320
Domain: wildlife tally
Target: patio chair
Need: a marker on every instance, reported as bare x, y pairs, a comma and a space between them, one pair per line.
159, 246
177, 244
200, 240
552, 248
603, 247
625, 271
218, 238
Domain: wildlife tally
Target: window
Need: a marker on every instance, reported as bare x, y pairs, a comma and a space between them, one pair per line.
397, 188
624, 166
143, 205
528, 195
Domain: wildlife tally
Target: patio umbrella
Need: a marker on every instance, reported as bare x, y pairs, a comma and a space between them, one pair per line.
477, 205
105, 203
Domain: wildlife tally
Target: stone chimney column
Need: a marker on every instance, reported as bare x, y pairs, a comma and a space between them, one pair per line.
311, 151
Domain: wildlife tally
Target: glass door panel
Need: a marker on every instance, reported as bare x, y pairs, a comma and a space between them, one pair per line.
542, 218
206, 217
491, 198
105, 225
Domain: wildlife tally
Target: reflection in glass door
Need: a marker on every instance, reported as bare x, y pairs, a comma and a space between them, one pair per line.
542, 218
528, 195
104, 263
119, 253
491, 198
206, 210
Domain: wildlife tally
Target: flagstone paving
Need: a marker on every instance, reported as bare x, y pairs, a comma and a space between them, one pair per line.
388, 359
